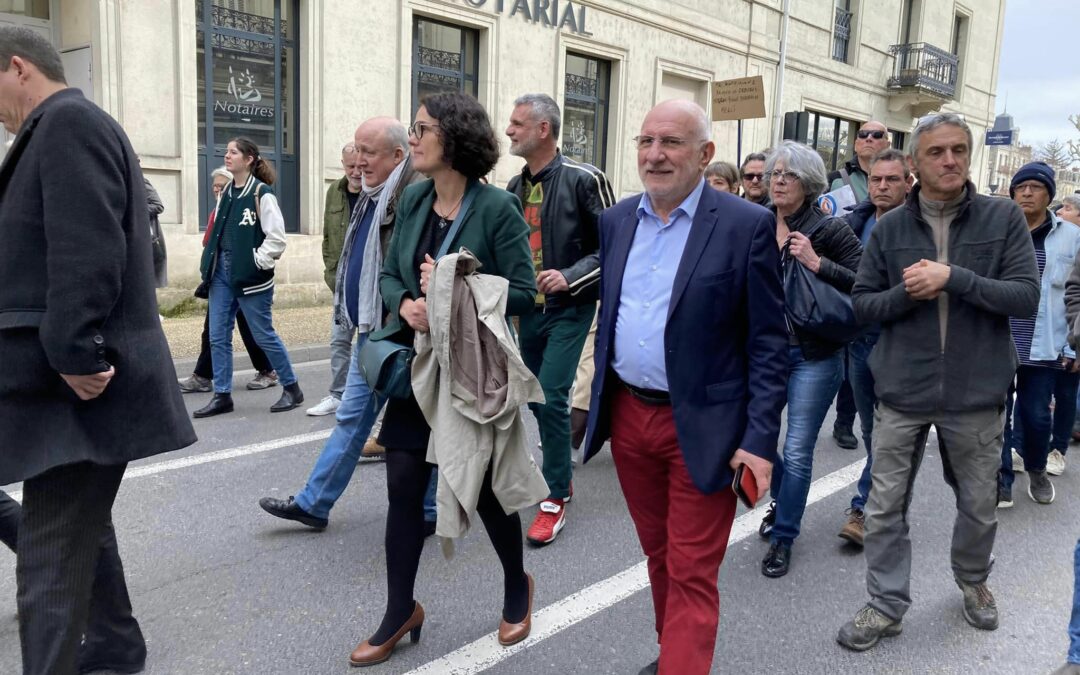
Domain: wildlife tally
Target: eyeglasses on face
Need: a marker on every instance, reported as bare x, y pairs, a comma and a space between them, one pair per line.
1033, 186
778, 176
751, 177
418, 128
876, 135
667, 143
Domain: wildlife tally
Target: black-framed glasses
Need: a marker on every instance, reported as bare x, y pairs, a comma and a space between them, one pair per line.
877, 135
751, 177
783, 176
418, 128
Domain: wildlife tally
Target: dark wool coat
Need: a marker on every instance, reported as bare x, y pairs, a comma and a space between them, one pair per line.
76, 296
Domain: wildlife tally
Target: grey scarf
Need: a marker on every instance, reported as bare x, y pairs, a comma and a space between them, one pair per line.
369, 308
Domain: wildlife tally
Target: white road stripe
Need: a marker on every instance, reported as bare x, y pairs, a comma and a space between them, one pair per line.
486, 652
231, 453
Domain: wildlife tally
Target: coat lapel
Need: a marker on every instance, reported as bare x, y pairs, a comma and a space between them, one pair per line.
620, 251
411, 238
700, 232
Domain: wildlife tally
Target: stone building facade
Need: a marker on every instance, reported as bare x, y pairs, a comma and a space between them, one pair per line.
183, 76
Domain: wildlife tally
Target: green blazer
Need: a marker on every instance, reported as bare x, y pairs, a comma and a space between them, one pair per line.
494, 230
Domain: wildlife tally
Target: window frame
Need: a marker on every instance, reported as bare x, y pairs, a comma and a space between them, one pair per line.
462, 75
601, 101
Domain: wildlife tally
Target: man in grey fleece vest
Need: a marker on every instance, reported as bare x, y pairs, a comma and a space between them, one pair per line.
942, 275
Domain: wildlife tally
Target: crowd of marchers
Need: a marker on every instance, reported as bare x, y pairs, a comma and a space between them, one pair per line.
673, 327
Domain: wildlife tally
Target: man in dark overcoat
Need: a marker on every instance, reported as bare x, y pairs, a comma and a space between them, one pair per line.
86, 379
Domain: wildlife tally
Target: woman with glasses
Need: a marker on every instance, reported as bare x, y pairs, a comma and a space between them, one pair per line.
827, 247
201, 379
723, 176
452, 143
248, 238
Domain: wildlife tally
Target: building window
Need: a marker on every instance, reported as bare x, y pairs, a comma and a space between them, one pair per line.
909, 28
959, 47
585, 110
899, 138
833, 138
445, 57
842, 30
247, 67
32, 9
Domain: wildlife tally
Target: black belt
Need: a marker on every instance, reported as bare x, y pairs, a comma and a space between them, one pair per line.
655, 397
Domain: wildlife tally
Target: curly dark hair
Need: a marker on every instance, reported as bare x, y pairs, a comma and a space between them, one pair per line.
469, 143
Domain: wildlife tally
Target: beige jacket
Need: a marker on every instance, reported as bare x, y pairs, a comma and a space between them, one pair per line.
471, 384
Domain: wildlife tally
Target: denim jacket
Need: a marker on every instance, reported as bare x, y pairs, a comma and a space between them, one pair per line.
1050, 340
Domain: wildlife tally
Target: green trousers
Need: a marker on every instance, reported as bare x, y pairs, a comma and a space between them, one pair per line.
551, 342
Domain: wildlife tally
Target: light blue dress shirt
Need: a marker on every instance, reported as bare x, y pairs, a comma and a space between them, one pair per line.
646, 292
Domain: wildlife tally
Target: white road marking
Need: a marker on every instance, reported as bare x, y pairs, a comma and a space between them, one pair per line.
206, 458
486, 652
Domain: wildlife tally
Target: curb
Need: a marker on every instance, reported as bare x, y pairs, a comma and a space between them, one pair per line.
241, 361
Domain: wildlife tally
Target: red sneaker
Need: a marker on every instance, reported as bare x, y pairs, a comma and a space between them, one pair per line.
549, 521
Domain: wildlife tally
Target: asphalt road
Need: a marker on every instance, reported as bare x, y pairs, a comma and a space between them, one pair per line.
221, 587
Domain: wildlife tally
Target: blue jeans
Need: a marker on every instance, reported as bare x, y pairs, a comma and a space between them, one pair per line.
812, 385
862, 386
1066, 385
334, 468
1074, 625
1034, 389
223, 306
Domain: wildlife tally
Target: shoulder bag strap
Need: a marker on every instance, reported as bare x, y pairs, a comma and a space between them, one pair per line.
470, 193
845, 176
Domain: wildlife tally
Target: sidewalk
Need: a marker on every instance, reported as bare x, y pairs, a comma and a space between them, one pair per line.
305, 331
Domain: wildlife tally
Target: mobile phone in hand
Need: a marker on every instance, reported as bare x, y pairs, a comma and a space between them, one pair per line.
745, 486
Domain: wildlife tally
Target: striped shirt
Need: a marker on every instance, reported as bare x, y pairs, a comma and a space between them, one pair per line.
1023, 330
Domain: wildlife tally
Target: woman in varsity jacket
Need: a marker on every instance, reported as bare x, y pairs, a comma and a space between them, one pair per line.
247, 239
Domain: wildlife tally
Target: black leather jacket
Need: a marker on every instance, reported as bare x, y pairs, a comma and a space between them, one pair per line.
839, 250
574, 196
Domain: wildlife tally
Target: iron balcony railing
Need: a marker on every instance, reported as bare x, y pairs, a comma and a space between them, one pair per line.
841, 34
926, 67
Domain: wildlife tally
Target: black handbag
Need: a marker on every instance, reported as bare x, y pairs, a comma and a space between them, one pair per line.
387, 365
816, 306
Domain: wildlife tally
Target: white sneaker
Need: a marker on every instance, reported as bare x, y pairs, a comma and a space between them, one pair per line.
327, 406
1018, 462
1055, 463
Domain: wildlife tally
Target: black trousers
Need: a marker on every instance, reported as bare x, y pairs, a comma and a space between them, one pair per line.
204, 367
68, 572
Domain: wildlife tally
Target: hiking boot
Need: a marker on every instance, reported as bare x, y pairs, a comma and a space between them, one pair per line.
263, 381
864, 631
1055, 463
1040, 489
980, 610
195, 384
855, 527
1005, 500
845, 438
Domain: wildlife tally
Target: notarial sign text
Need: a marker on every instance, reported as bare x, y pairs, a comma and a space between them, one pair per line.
246, 98
739, 99
556, 14
999, 137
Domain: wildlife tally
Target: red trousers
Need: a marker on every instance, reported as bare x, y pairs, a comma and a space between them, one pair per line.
683, 532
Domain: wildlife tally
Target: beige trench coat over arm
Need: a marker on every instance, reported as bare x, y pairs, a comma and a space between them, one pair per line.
471, 384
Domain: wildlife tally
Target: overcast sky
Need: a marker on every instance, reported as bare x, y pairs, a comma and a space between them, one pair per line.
1040, 68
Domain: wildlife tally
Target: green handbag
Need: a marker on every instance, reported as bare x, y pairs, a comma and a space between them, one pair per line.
387, 365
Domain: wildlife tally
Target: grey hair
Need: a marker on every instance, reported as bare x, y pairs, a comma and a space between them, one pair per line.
891, 155
398, 136
1072, 200
931, 122
221, 171
544, 109
804, 162
33, 48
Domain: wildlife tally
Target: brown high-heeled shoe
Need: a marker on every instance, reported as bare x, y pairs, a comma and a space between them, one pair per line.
513, 633
367, 654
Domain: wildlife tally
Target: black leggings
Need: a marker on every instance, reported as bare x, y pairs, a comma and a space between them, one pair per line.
407, 475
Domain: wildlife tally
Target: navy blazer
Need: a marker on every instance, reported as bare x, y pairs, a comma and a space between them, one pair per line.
725, 342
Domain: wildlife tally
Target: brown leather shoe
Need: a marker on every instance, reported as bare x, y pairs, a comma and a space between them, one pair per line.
367, 654
372, 449
513, 633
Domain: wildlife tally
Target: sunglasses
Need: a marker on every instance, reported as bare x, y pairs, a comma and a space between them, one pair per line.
876, 135
751, 177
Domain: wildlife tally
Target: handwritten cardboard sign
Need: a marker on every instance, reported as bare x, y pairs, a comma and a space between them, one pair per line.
738, 99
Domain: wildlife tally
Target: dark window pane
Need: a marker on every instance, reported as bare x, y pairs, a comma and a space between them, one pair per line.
445, 59
200, 79
584, 135
243, 91
250, 16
